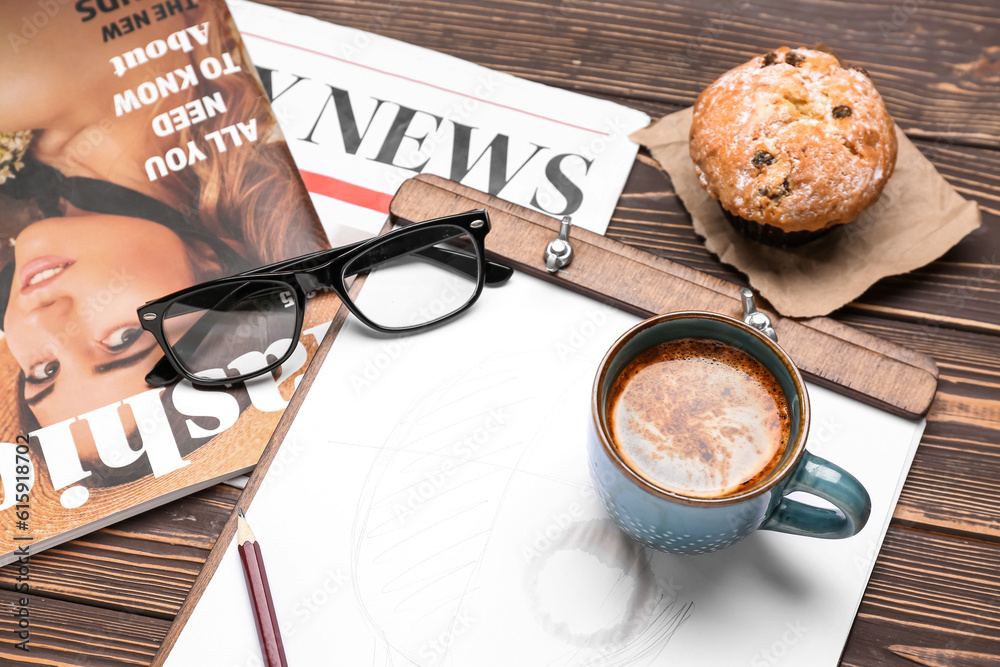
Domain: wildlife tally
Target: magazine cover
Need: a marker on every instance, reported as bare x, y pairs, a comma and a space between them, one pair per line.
363, 112
138, 156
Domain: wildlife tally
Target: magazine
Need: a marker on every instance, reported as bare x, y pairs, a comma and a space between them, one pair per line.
362, 113
138, 156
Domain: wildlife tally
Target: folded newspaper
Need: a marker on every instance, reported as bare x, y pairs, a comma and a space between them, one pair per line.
362, 113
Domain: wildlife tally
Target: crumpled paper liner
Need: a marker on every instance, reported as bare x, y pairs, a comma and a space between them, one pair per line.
917, 219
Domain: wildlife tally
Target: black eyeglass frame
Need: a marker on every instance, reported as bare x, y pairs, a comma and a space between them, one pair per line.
308, 274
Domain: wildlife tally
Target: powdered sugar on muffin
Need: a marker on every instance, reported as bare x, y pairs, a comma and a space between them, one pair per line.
794, 140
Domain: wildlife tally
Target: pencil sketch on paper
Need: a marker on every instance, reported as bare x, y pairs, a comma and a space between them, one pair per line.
478, 538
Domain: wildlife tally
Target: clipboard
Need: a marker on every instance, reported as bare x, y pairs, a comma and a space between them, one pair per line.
851, 362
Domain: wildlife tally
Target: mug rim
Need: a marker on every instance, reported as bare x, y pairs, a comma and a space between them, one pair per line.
776, 476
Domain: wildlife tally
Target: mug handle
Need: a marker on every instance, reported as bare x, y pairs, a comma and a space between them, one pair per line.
829, 481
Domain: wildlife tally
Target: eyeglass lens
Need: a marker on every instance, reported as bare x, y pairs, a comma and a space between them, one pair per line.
424, 275
222, 331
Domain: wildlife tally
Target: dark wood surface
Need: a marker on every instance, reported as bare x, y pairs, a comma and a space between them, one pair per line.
934, 596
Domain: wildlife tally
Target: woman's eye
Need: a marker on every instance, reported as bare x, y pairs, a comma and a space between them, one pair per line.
41, 373
121, 338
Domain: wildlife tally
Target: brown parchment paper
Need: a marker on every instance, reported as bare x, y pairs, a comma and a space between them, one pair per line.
917, 219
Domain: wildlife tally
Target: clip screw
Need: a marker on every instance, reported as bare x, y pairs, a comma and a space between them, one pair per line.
754, 317
559, 253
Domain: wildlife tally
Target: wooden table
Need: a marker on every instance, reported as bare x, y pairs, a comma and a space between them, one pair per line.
934, 597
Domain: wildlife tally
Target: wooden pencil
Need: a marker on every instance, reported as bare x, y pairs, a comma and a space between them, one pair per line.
260, 594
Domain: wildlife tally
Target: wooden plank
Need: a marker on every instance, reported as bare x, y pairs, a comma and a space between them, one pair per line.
954, 484
115, 574
933, 598
935, 63
145, 564
962, 356
193, 521
64, 633
861, 365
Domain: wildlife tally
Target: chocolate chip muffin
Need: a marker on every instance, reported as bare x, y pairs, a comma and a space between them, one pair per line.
792, 144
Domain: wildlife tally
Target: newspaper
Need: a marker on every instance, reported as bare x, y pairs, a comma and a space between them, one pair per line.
362, 113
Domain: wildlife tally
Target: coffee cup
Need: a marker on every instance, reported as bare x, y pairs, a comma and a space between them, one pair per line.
698, 436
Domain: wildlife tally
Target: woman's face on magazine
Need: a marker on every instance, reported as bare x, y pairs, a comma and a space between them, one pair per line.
71, 322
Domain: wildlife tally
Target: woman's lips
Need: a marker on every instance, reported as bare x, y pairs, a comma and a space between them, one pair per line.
43, 270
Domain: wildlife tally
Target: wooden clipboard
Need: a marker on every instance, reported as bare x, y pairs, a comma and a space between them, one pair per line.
848, 361
831, 354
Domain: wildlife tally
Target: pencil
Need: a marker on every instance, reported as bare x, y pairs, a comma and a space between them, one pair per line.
260, 594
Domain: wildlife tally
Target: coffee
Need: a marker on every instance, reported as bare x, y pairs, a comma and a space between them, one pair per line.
698, 417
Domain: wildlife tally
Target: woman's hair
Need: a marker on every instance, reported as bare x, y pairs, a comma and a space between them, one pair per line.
253, 194
246, 206
27, 418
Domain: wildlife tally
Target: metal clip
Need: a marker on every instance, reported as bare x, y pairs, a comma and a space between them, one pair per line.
559, 253
754, 317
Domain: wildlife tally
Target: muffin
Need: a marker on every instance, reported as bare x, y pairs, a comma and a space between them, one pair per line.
792, 144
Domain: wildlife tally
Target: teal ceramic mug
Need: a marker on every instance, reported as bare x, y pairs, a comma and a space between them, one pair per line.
672, 522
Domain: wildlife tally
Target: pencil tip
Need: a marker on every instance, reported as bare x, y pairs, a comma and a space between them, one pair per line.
243, 532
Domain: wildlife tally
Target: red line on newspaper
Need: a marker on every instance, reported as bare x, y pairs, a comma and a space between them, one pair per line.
319, 184
424, 83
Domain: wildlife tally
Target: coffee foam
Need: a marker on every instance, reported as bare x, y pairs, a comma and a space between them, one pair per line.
698, 417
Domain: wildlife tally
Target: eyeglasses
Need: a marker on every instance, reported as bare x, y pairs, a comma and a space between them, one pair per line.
239, 327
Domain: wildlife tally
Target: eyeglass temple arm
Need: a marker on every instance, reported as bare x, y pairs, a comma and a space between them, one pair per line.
496, 274
163, 374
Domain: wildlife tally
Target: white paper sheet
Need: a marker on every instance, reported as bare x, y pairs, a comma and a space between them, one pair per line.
432, 506
491, 131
